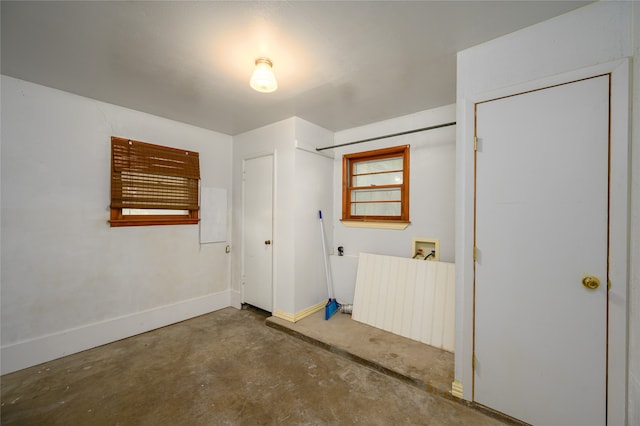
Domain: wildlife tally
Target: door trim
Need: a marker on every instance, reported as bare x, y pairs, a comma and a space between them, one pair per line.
619, 226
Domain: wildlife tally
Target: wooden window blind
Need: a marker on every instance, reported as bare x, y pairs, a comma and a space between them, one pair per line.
153, 178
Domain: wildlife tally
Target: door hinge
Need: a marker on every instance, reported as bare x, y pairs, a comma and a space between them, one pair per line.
475, 143
474, 361
608, 284
475, 253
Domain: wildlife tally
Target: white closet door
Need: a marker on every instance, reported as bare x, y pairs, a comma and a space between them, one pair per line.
540, 335
258, 232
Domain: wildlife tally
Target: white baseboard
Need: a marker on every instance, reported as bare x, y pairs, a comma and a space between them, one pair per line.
456, 389
32, 352
236, 299
299, 315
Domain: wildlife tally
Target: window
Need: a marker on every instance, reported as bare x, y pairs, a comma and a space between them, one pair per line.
153, 185
376, 185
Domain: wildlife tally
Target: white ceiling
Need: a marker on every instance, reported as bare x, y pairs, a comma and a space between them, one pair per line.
338, 64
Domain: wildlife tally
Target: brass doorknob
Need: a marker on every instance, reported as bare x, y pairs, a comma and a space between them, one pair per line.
590, 282
267, 242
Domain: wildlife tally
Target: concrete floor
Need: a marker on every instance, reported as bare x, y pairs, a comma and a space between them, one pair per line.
428, 368
226, 367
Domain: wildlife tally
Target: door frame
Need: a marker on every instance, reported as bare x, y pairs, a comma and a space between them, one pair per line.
619, 226
254, 156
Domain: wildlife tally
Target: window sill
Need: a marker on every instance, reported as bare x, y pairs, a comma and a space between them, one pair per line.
375, 224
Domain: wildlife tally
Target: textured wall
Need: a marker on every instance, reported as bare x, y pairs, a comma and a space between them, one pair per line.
63, 266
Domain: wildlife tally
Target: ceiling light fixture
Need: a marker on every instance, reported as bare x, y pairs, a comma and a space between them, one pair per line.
263, 79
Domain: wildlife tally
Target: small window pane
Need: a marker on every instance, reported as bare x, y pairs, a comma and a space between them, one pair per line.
392, 178
153, 212
376, 209
376, 195
376, 166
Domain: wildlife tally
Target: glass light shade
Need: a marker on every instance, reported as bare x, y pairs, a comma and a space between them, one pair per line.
263, 79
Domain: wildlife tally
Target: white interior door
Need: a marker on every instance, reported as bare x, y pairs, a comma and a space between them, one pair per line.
258, 229
540, 336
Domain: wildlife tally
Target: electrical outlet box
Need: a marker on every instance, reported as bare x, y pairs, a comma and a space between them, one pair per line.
423, 247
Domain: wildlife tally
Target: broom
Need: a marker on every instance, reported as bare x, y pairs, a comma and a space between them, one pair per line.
332, 304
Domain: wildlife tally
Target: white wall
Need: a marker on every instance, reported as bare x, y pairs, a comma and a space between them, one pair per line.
69, 280
596, 34
432, 192
313, 191
298, 194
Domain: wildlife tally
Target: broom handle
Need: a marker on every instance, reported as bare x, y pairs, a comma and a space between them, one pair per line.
327, 270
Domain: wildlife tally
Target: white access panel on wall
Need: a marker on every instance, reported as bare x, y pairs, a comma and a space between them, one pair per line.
541, 237
213, 215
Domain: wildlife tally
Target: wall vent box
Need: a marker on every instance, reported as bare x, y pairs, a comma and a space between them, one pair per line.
424, 246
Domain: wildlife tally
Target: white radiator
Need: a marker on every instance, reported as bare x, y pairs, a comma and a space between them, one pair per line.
412, 298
